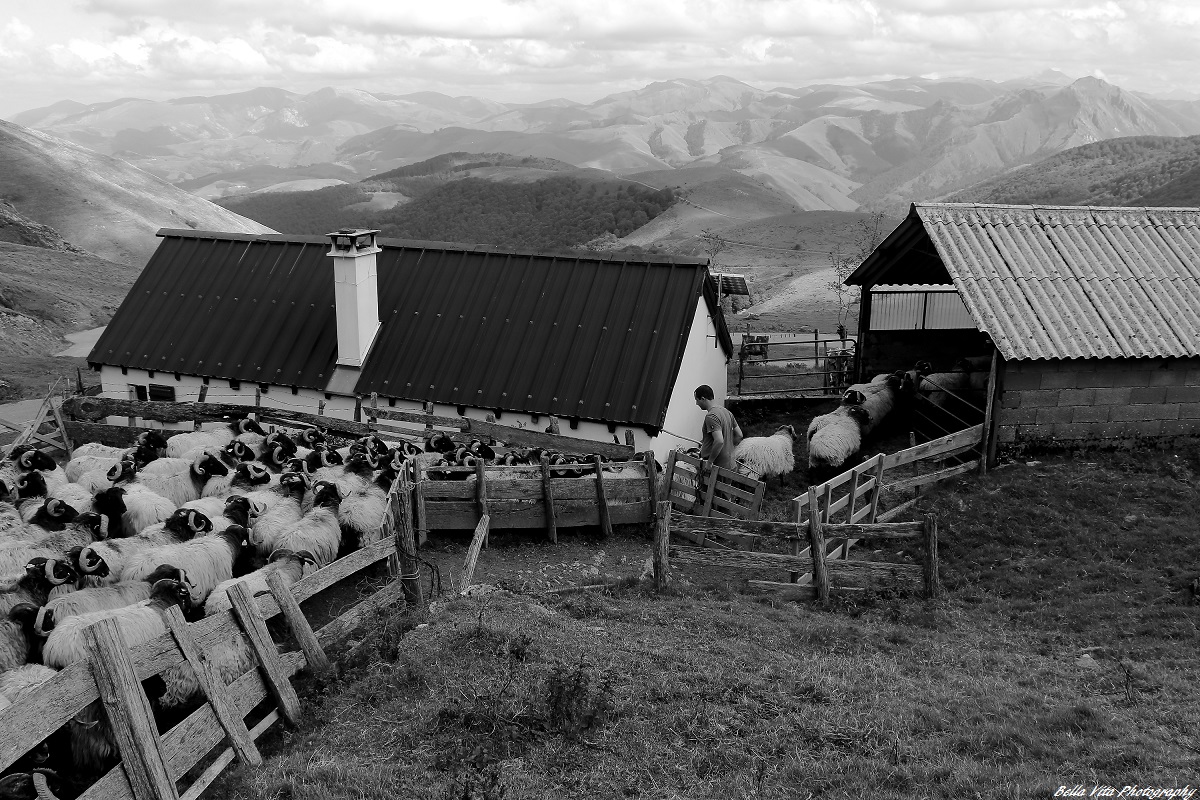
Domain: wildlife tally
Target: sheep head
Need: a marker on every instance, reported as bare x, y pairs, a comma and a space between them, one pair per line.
237, 451
169, 592
92, 563
411, 448
208, 466
152, 439
310, 437
44, 622
326, 494
853, 397
34, 459
122, 472
788, 430
361, 463
53, 571
482, 450
238, 508
54, 514
275, 456
923, 368
90, 521
324, 457
188, 522
251, 473
247, 426
31, 484
111, 503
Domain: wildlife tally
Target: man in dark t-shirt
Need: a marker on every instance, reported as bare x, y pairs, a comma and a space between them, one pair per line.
721, 432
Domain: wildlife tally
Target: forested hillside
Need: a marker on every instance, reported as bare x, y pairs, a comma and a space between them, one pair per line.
1134, 170
552, 213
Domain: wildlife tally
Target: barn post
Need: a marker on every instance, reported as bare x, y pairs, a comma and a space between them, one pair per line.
662, 542
816, 546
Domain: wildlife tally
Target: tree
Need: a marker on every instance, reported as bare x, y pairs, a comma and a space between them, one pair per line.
844, 261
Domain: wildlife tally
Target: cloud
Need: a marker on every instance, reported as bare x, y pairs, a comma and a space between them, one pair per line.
527, 50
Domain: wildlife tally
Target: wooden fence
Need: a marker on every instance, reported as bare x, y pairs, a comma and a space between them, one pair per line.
536, 496
719, 493
856, 491
824, 575
814, 364
157, 767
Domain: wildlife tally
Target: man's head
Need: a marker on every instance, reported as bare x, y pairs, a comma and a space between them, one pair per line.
704, 396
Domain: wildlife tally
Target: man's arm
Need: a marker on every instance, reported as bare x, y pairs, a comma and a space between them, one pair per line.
718, 443
736, 433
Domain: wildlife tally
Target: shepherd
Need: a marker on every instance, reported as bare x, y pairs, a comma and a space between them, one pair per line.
720, 434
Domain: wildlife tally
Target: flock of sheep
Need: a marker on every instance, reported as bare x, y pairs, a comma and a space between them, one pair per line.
127, 533
835, 440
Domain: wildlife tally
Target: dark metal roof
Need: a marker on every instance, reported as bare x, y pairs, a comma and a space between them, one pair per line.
595, 337
1060, 282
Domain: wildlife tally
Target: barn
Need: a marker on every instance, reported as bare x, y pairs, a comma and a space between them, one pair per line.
611, 345
1091, 316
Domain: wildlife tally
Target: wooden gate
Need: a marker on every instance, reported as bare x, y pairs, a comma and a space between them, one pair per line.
718, 493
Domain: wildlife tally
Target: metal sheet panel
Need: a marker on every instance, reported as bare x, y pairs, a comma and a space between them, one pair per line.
1074, 282
593, 337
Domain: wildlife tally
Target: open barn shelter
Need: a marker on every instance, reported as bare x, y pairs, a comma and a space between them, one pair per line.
1092, 315
612, 345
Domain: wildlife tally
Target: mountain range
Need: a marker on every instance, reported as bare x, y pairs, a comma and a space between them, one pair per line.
876, 145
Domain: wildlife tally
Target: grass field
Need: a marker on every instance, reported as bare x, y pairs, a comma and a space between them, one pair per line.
1065, 652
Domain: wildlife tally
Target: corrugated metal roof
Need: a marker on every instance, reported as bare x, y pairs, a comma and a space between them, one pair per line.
1070, 282
595, 337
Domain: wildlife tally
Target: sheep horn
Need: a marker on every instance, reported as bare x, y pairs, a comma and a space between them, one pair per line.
114, 472
26, 460
42, 787
45, 616
55, 507
89, 561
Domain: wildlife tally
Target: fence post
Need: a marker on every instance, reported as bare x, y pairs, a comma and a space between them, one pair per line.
406, 545
668, 476
662, 541
252, 622
876, 491
601, 499
197, 424
314, 654
816, 544
129, 713
481, 495
548, 500
933, 582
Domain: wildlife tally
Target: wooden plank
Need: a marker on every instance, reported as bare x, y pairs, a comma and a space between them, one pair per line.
548, 500
531, 489
252, 622
325, 577
738, 559
318, 662
93, 409
816, 543
130, 718
797, 551
213, 689
668, 476
417, 418
801, 591
547, 441
933, 477
985, 435
876, 491
662, 539
852, 497
337, 629
481, 495
601, 498
708, 492
876, 530
877, 571
62, 431
481, 532
933, 581
34, 423
863, 513
935, 447
224, 759
892, 513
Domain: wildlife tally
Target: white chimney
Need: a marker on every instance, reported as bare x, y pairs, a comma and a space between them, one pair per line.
356, 293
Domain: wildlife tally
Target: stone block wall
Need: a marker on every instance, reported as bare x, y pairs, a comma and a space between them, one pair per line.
1098, 401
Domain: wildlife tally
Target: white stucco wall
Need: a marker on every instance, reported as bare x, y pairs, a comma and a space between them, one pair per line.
703, 362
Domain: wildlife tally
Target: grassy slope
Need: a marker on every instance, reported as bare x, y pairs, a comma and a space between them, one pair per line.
710, 692
1115, 172
51, 293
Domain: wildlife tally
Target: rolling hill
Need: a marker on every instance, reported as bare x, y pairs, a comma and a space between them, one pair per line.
1137, 171
99, 203
873, 145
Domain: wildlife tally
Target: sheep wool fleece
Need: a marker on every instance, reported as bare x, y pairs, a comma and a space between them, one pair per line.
719, 418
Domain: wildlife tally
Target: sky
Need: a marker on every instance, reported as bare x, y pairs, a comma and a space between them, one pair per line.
529, 50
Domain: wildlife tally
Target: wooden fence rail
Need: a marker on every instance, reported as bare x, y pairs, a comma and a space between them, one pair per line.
826, 574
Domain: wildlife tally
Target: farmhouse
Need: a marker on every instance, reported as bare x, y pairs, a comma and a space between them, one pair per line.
1091, 315
610, 344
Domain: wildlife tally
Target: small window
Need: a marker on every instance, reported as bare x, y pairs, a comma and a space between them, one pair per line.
178, 377
124, 370
150, 373
205, 381
574, 423
328, 396
137, 392
460, 410
163, 393
235, 385
295, 390
263, 387
392, 402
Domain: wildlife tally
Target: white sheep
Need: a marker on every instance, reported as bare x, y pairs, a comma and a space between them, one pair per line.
206, 560
235, 510
768, 455
130, 508
185, 483
290, 566
81, 532
74, 495
318, 531
106, 561
98, 598
15, 644
181, 443
153, 441
837, 439
360, 514
278, 510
